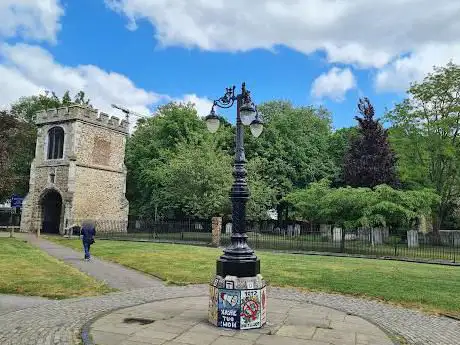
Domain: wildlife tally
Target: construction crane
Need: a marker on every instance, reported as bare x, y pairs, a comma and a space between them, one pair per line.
128, 112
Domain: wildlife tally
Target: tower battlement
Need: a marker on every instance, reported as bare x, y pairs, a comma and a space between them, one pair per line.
82, 113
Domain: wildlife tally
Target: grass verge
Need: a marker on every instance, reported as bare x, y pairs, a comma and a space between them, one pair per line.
431, 288
26, 270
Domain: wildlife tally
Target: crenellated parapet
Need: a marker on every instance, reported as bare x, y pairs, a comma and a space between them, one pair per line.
82, 113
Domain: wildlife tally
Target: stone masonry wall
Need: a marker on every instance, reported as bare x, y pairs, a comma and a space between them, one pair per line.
99, 147
99, 195
100, 174
32, 207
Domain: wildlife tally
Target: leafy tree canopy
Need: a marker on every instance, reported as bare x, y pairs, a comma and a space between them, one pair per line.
350, 207
176, 168
176, 142
339, 145
194, 182
17, 148
425, 135
294, 145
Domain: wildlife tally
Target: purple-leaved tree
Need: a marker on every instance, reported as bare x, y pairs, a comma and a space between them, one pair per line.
369, 161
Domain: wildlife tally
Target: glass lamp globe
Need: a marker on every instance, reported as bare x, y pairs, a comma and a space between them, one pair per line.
256, 127
212, 122
247, 112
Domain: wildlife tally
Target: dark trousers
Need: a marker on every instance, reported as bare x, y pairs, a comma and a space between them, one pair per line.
86, 246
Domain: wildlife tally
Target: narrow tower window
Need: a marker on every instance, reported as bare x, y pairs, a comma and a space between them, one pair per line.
55, 143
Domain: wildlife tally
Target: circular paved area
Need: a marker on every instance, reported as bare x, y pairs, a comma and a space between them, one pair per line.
60, 322
183, 321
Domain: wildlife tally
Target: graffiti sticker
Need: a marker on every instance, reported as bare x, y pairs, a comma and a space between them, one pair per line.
229, 309
264, 306
250, 309
212, 309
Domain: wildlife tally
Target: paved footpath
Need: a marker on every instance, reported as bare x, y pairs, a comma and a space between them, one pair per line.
114, 275
9, 303
60, 322
184, 321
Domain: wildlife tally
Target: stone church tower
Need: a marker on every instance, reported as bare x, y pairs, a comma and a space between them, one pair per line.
78, 172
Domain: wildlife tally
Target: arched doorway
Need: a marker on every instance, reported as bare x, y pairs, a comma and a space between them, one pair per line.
51, 212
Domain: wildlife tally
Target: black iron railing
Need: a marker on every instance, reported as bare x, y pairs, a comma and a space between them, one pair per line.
299, 237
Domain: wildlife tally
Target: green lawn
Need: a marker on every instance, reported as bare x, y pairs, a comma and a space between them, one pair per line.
27, 270
432, 288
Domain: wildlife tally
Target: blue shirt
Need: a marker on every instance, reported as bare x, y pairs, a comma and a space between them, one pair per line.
88, 232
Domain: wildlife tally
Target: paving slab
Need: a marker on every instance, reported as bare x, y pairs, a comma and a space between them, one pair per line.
281, 330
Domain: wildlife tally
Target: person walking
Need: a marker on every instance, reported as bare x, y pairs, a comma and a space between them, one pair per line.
88, 231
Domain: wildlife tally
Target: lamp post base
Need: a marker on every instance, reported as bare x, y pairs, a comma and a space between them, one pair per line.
238, 303
237, 268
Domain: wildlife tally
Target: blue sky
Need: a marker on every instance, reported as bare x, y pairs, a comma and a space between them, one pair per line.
89, 44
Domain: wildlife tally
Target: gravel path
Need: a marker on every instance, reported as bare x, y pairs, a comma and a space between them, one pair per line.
60, 322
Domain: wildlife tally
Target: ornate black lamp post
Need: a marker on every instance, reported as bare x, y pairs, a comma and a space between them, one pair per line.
238, 269
238, 259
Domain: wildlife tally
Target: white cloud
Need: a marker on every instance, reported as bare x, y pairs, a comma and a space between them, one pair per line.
14, 85
202, 105
28, 70
398, 75
31, 19
362, 32
31, 68
333, 84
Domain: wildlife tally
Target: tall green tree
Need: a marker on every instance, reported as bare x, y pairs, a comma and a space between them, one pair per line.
426, 137
176, 168
263, 196
369, 161
152, 145
151, 155
194, 182
17, 147
293, 149
339, 145
340, 142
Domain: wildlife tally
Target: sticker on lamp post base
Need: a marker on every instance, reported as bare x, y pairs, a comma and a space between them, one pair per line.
212, 308
229, 309
250, 309
264, 306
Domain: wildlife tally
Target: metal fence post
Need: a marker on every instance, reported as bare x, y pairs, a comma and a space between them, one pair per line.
453, 246
11, 224
342, 241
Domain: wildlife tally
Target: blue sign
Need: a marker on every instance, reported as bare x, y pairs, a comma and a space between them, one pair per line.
16, 201
229, 308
